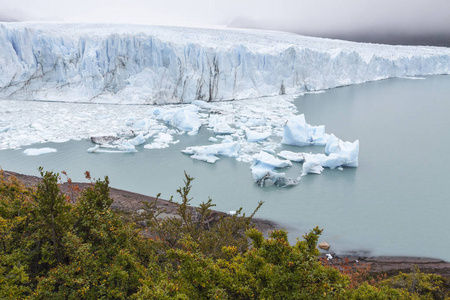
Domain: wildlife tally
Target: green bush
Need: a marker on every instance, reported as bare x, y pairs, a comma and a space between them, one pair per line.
52, 247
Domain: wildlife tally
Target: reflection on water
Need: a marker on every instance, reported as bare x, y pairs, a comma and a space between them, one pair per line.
395, 203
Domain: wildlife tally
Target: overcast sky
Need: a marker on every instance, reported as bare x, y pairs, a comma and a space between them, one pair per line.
312, 17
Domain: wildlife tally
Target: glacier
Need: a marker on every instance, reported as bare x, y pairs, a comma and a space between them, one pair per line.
137, 64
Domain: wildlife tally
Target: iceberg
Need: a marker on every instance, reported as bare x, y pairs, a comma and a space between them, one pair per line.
209, 153
263, 172
138, 64
38, 151
299, 133
184, 118
341, 153
264, 158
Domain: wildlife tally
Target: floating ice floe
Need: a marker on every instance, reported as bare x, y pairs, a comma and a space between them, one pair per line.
161, 141
263, 171
223, 128
209, 153
124, 147
38, 151
299, 133
292, 156
255, 136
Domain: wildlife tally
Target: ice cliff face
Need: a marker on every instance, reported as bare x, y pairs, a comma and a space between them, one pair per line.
155, 65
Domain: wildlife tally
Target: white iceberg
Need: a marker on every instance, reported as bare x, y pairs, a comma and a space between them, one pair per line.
38, 151
299, 133
263, 172
263, 158
209, 153
184, 118
255, 136
338, 151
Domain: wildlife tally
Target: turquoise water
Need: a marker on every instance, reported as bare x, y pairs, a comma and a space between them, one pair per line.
395, 203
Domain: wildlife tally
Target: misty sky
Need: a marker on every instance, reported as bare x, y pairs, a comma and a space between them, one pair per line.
328, 18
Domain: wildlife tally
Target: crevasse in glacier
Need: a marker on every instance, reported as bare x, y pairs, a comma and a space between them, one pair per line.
156, 65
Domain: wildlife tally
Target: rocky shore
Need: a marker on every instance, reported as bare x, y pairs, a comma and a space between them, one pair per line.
391, 265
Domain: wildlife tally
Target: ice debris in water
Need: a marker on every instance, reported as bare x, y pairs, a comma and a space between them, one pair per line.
161, 141
138, 140
124, 147
209, 153
299, 133
38, 151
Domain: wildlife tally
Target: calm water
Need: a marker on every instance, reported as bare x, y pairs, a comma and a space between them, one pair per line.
395, 203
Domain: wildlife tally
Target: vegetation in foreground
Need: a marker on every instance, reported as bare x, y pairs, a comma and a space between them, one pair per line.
53, 246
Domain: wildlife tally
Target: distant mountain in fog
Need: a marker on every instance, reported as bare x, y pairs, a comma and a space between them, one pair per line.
385, 36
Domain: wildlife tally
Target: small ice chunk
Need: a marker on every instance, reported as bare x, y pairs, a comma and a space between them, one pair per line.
138, 140
292, 156
215, 119
255, 136
126, 146
93, 149
223, 128
313, 167
38, 151
213, 139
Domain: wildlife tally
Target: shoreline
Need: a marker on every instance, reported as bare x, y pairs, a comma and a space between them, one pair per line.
131, 202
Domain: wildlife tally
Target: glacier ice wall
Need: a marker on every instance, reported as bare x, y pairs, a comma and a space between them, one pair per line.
157, 65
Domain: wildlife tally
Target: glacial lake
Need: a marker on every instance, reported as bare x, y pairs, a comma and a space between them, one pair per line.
396, 202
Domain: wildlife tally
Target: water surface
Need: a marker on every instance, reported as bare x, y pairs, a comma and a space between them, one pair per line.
395, 203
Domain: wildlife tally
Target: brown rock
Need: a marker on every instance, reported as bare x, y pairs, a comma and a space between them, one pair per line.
324, 246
